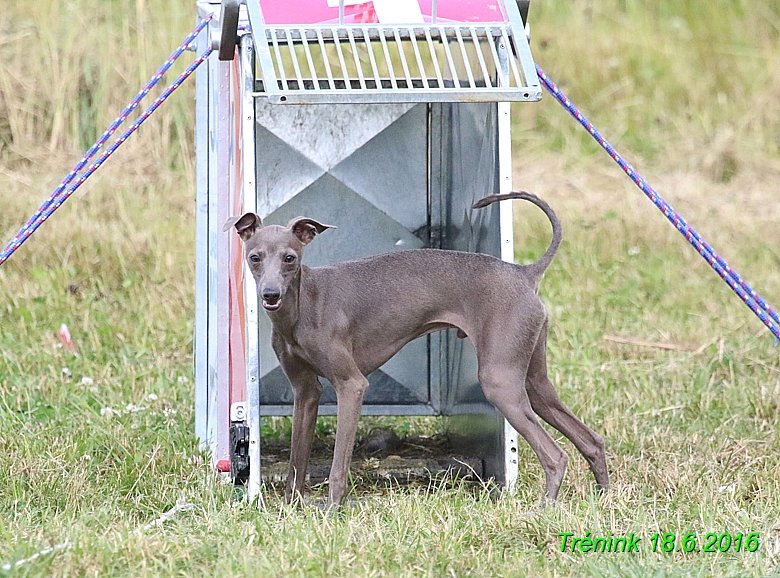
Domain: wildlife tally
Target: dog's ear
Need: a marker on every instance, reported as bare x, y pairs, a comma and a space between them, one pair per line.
305, 229
246, 225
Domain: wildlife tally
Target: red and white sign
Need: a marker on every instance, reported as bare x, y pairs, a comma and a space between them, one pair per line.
380, 11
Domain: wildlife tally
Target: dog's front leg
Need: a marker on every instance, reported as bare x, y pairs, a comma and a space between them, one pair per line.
307, 391
349, 394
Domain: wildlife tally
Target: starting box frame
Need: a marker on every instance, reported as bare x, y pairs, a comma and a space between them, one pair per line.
385, 118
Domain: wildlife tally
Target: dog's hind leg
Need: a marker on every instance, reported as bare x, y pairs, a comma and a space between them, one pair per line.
518, 412
502, 371
547, 405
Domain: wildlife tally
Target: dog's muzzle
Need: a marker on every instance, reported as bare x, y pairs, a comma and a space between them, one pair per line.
272, 299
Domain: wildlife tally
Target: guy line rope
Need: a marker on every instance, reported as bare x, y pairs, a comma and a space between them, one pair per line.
752, 299
62, 192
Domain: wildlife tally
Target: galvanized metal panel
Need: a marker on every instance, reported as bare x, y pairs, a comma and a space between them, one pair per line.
368, 171
328, 134
362, 231
391, 171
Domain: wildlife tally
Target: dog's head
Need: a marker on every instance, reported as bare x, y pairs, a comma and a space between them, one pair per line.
274, 253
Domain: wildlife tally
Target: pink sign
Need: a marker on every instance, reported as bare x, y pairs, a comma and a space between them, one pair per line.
356, 12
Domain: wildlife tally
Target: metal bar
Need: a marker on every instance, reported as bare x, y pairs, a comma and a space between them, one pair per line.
341, 12
529, 67
418, 58
404, 64
357, 58
278, 53
250, 291
448, 52
505, 181
511, 58
263, 51
517, 14
389, 62
342, 62
214, 184
500, 69
219, 245
310, 32
310, 62
372, 59
294, 56
434, 11
466, 61
326, 60
481, 58
434, 58
510, 440
268, 410
373, 96
203, 110
432, 188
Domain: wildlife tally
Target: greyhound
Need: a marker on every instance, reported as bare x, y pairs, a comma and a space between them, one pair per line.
343, 321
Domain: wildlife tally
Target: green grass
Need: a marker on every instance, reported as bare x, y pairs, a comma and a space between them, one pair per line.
687, 90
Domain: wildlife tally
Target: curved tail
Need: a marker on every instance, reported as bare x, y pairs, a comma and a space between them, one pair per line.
541, 265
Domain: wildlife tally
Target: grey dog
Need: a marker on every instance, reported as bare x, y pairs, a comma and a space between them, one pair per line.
343, 321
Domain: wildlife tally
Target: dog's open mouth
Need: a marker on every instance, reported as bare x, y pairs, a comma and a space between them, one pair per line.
272, 305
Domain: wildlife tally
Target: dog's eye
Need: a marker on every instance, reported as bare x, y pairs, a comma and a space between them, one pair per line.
254, 258
289, 259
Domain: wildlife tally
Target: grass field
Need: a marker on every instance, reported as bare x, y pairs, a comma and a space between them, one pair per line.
95, 447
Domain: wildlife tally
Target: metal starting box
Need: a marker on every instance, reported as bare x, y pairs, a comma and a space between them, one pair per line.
388, 119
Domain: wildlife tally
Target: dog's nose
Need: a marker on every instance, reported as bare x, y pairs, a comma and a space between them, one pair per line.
271, 295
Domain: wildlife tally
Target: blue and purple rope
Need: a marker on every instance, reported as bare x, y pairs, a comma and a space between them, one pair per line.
751, 298
60, 194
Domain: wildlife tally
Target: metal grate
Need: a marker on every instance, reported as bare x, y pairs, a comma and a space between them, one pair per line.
449, 62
